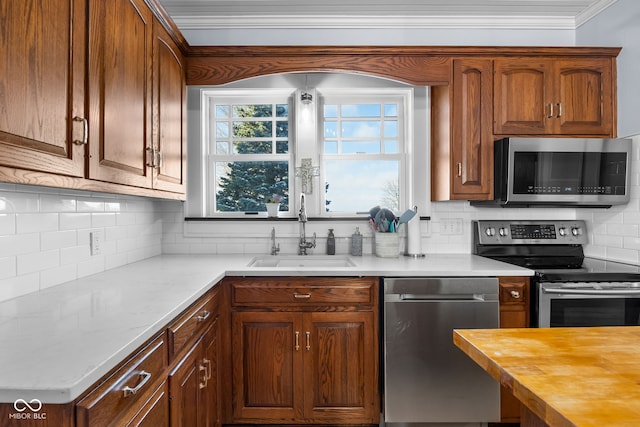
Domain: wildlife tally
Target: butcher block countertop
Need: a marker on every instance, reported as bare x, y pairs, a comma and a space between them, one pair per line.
585, 377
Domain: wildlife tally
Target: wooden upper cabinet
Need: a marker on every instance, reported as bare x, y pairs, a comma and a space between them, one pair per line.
562, 96
462, 139
169, 115
42, 81
472, 139
120, 70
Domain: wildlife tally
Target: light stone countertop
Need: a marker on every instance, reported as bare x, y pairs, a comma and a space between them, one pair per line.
56, 343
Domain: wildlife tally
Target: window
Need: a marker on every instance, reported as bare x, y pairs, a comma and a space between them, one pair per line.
363, 150
248, 150
250, 144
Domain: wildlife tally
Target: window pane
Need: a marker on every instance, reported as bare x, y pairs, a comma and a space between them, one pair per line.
369, 183
282, 110
369, 147
222, 147
222, 111
282, 147
252, 147
390, 128
391, 147
391, 110
252, 110
359, 129
222, 129
251, 129
331, 111
282, 129
360, 110
246, 186
331, 147
330, 129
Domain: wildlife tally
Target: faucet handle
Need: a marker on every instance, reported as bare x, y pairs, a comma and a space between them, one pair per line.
313, 244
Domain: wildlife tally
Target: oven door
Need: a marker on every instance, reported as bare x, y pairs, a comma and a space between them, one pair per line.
588, 304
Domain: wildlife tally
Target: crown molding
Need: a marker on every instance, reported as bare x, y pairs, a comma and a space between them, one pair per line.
370, 22
589, 13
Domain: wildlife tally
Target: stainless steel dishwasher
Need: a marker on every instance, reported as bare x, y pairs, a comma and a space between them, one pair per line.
427, 379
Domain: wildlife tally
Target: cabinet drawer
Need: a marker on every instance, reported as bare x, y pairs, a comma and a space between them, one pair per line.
125, 387
192, 322
514, 291
306, 291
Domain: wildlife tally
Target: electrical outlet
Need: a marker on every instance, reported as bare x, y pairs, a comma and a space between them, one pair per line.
451, 226
95, 242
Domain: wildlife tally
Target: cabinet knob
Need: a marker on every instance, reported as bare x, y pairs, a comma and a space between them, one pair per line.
515, 294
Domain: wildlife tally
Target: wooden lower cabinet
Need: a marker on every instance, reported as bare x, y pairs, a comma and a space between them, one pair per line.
304, 362
514, 313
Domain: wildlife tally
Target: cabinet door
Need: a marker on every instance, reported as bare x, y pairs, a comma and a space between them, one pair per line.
155, 412
471, 133
584, 97
185, 382
42, 80
120, 36
521, 90
169, 137
340, 367
267, 365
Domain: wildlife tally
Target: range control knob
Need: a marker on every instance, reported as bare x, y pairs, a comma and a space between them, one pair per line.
576, 231
503, 232
490, 231
562, 231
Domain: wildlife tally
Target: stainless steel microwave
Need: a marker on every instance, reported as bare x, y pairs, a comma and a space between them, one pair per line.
569, 172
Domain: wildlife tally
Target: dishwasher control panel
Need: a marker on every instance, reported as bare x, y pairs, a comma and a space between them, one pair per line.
499, 232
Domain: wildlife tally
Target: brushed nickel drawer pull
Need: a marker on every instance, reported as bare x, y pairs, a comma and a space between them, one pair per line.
559, 110
203, 368
130, 391
550, 111
207, 371
204, 316
459, 169
301, 296
297, 345
515, 294
308, 334
151, 159
85, 134
159, 164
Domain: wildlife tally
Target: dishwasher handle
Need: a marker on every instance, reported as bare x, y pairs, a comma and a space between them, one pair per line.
448, 297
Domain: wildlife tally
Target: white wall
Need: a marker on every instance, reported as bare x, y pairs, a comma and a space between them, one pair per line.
44, 235
615, 232
619, 26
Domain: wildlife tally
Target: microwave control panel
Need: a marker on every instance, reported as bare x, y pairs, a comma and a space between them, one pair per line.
570, 232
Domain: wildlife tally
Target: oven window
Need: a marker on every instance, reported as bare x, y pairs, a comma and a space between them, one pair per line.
595, 312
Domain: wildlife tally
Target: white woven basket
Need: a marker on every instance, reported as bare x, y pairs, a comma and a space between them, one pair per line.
387, 245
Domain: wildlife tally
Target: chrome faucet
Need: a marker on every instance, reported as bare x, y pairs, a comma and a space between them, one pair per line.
274, 249
303, 245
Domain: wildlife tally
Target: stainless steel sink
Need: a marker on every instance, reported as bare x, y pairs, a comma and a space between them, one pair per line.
301, 261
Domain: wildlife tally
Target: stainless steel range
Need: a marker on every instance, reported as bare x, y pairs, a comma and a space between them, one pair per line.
568, 288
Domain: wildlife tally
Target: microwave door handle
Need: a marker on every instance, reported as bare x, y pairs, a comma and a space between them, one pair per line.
619, 292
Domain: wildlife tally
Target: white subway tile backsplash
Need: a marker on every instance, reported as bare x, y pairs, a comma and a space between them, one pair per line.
8, 267
16, 244
58, 239
7, 224
44, 235
36, 222
74, 221
38, 261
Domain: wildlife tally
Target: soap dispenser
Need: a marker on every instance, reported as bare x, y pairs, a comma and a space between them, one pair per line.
356, 243
331, 243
